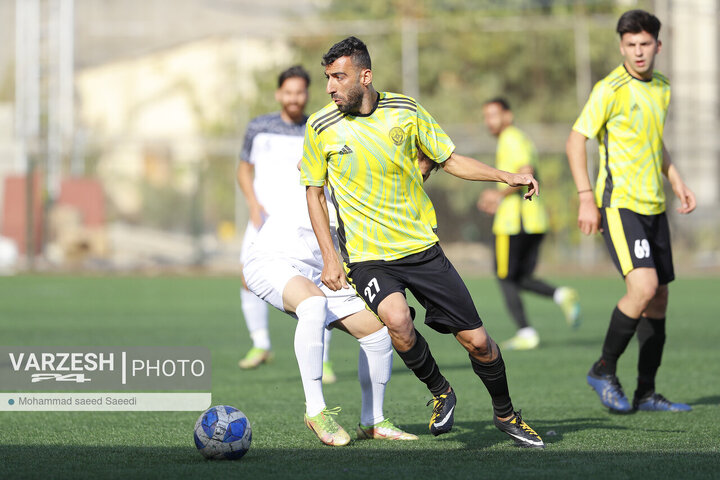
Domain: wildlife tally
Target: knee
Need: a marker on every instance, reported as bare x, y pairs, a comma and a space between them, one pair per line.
646, 293
478, 344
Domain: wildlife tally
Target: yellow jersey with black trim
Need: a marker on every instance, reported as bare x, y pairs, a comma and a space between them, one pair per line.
370, 163
627, 116
515, 214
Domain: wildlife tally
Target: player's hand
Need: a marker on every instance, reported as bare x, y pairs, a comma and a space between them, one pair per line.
333, 276
258, 216
686, 197
489, 201
588, 215
524, 180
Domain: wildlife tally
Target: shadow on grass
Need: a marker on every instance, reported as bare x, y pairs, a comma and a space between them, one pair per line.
361, 459
711, 400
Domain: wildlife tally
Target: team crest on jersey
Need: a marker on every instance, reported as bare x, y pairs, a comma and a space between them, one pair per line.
397, 135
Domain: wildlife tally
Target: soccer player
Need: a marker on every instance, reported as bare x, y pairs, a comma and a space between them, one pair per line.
283, 267
626, 112
519, 228
268, 177
365, 144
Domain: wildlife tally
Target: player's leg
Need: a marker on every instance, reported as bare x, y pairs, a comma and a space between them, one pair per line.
508, 269
309, 304
328, 375
488, 364
255, 313
651, 328
374, 370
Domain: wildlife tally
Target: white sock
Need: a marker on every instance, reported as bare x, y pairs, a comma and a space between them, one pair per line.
255, 312
326, 342
311, 315
527, 332
374, 368
559, 294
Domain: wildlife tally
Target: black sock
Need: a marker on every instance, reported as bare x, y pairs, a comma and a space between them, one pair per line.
421, 362
493, 376
621, 330
538, 286
511, 292
651, 339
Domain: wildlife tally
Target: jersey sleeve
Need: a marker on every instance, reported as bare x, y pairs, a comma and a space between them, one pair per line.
313, 169
596, 111
433, 141
248, 142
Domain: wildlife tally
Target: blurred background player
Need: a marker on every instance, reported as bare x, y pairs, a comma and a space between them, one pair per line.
268, 177
626, 112
283, 267
519, 228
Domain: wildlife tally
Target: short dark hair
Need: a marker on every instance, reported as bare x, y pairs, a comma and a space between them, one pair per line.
636, 21
351, 47
504, 104
296, 71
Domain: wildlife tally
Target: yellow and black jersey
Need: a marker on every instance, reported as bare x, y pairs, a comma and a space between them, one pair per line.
370, 162
515, 214
627, 116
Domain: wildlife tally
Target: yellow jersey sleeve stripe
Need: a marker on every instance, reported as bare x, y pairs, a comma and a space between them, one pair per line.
617, 234
502, 255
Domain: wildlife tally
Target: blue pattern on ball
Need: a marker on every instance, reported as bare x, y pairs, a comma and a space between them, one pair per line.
235, 430
229, 409
209, 422
198, 443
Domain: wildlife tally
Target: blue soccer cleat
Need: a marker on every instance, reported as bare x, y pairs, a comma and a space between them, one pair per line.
657, 403
610, 392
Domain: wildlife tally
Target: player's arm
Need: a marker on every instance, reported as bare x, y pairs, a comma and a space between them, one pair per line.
245, 176
588, 213
682, 192
333, 275
471, 169
491, 198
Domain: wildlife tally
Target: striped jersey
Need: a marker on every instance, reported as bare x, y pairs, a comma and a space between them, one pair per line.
370, 162
274, 148
627, 116
515, 214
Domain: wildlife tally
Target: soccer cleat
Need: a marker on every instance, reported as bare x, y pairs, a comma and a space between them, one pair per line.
328, 376
442, 418
384, 430
520, 431
610, 391
523, 340
657, 403
569, 302
255, 357
327, 429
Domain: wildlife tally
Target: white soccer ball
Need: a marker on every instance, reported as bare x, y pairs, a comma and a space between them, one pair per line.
223, 433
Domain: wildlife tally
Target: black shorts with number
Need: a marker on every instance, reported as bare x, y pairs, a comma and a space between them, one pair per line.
430, 277
516, 256
638, 241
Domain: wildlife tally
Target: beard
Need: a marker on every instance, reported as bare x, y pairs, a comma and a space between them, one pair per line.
354, 100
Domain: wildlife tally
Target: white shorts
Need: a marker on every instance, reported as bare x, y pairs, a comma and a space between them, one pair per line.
248, 239
281, 252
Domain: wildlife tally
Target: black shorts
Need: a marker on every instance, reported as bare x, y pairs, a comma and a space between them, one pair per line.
516, 256
430, 277
638, 241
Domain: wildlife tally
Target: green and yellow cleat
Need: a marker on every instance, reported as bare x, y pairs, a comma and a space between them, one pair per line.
384, 430
522, 341
327, 429
569, 302
255, 357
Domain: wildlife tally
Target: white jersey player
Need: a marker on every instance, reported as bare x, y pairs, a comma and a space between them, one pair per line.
268, 177
283, 267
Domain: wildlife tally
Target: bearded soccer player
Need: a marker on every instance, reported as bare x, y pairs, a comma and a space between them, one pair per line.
267, 175
364, 144
626, 112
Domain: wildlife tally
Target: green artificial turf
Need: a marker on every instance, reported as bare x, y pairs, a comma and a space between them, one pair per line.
583, 439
